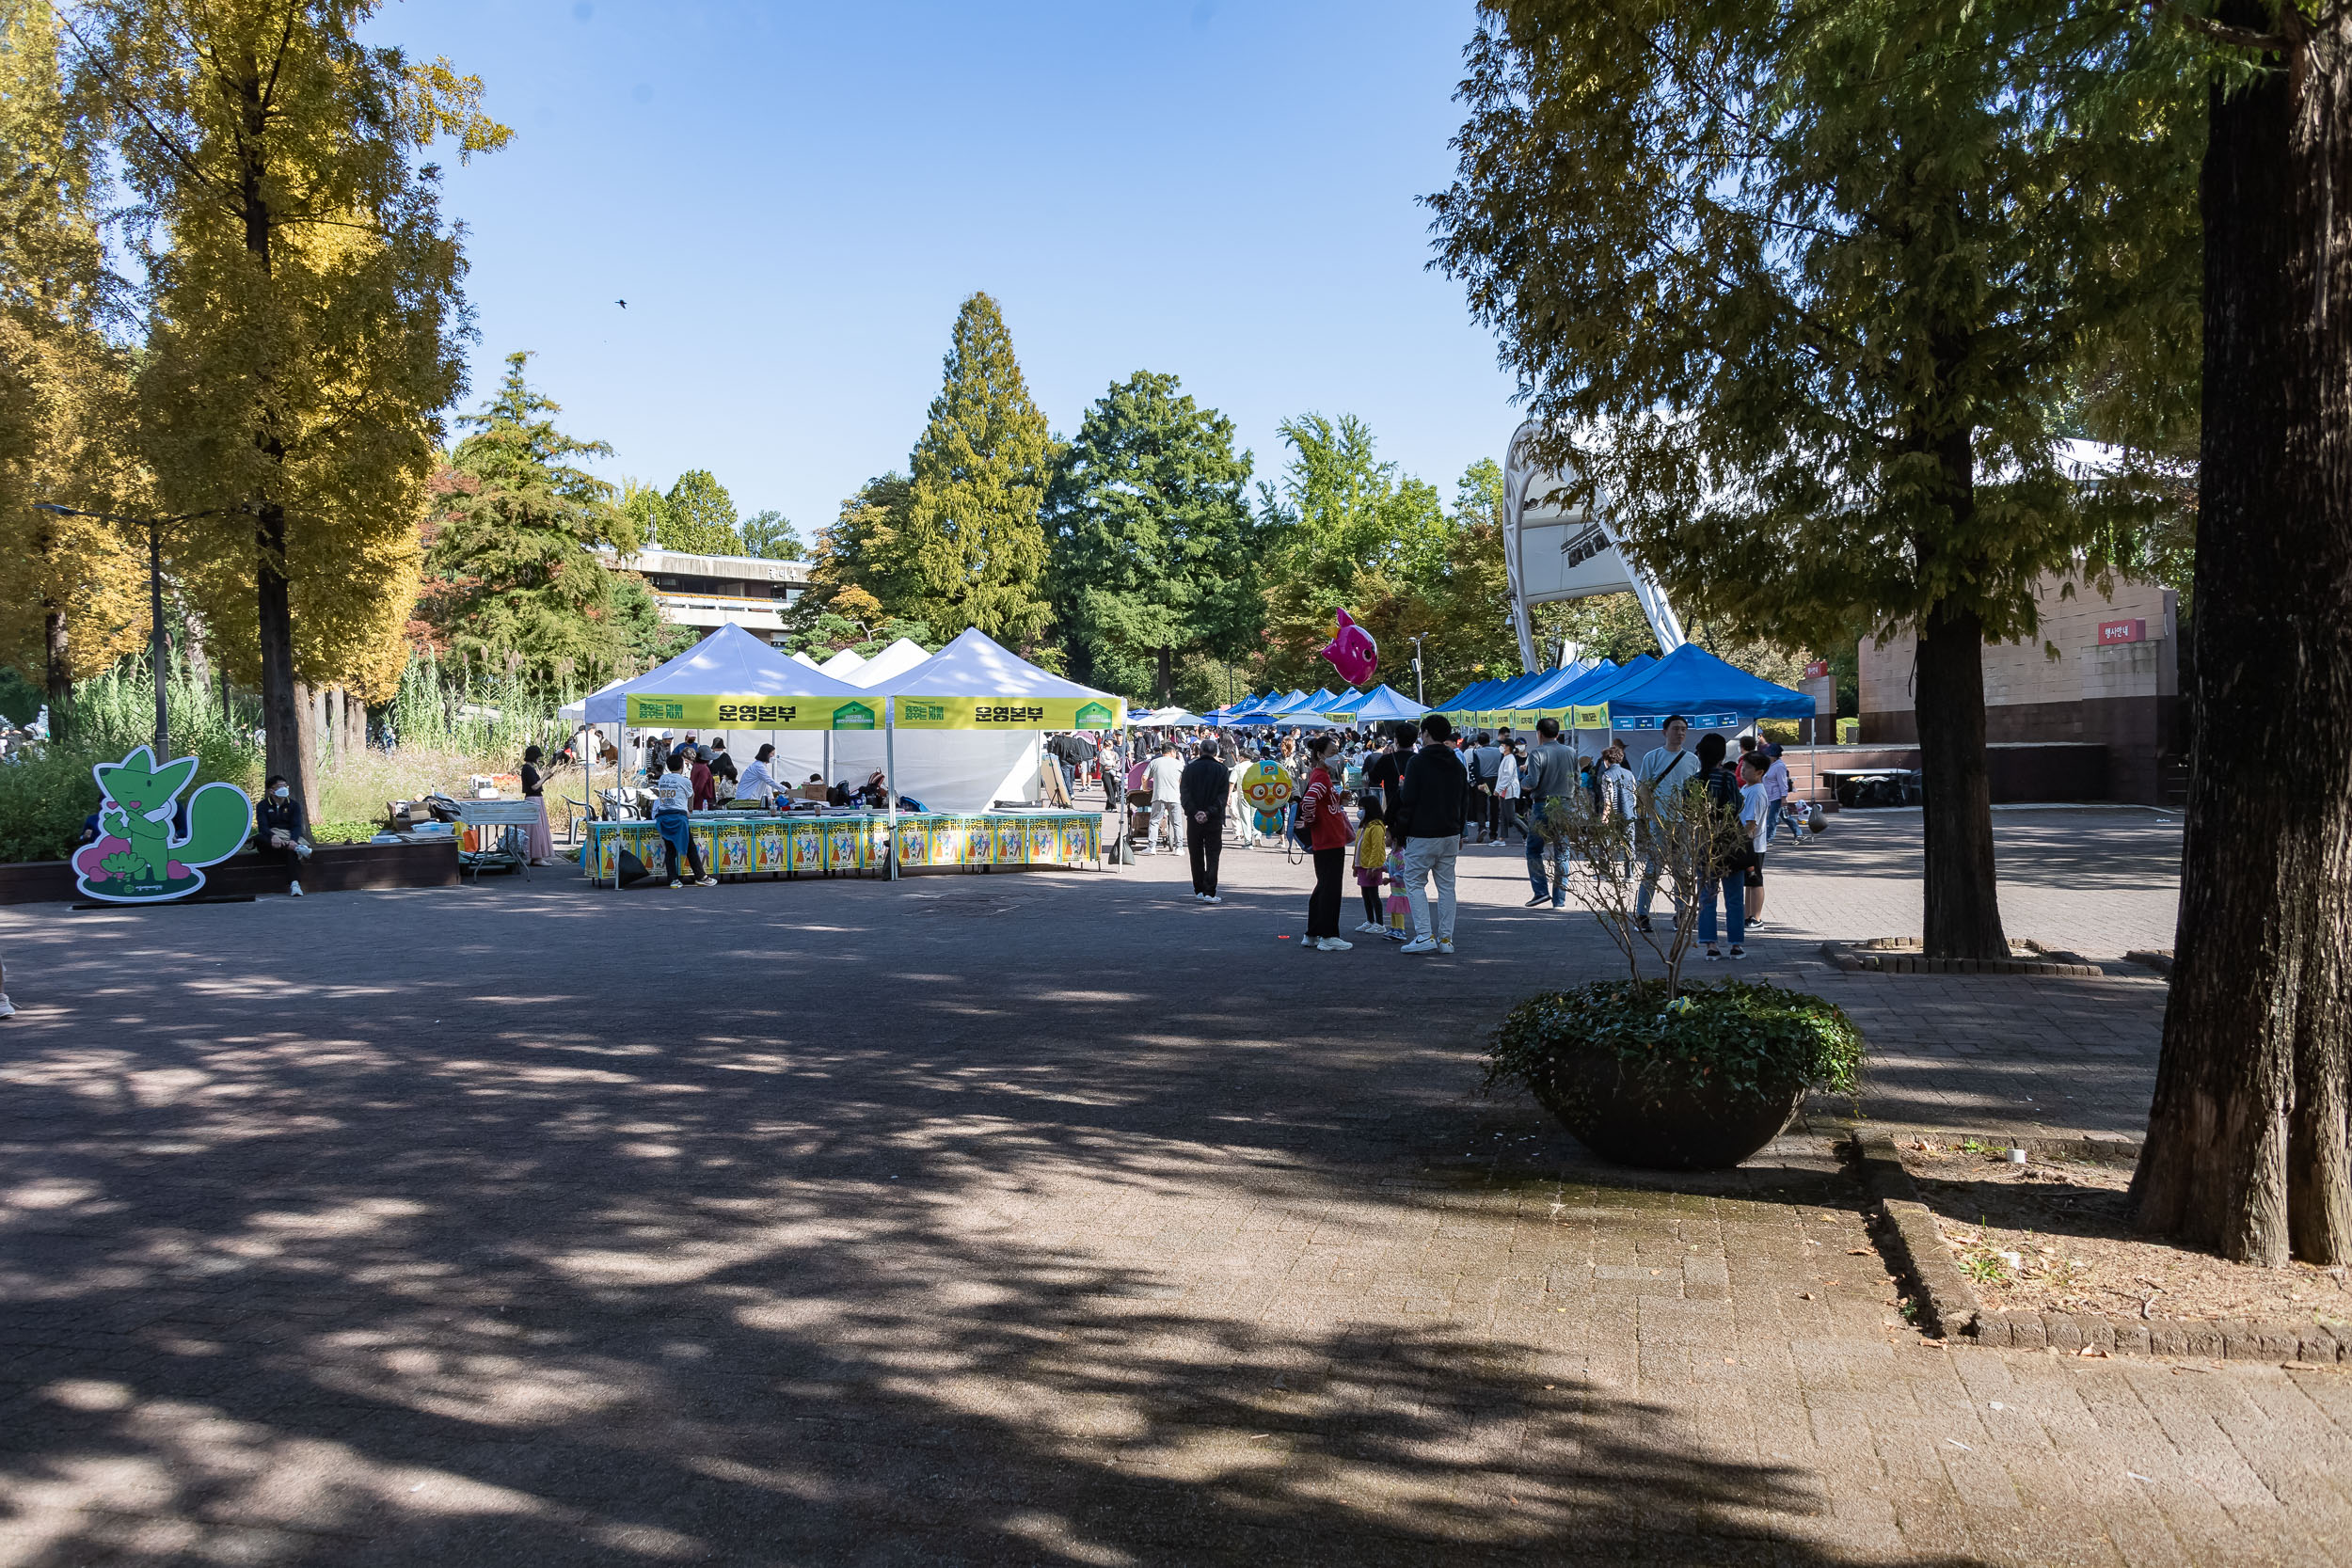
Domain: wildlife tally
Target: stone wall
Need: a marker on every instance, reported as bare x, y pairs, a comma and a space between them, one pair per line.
2124, 696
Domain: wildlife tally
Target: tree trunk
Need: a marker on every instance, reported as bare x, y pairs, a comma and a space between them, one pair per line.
331, 747
282, 705
354, 741
1167, 676
1963, 901
57, 666
2246, 1148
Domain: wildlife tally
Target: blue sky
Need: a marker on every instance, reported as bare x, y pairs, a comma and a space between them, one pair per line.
794, 199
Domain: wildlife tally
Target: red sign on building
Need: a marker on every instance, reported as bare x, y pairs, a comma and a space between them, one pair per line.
1816, 670
2123, 631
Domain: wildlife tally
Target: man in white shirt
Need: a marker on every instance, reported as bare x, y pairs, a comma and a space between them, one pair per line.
1164, 779
1661, 778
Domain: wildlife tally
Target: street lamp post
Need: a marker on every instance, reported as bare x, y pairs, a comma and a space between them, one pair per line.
1418, 695
154, 527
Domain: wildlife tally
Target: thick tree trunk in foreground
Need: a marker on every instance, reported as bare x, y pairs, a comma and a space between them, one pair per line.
57, 665
2246, 1147
1167, 692
1963, 901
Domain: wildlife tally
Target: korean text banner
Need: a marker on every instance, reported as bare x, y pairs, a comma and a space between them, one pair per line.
755, 713
1009, 713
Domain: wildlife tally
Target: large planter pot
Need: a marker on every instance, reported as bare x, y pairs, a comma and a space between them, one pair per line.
1699, 1126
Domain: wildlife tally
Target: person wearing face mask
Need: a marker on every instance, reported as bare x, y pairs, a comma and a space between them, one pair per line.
279, 828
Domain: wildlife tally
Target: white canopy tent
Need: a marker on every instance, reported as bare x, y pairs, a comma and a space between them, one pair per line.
804, 659
702, 689
897, 660
955, 766
842, 665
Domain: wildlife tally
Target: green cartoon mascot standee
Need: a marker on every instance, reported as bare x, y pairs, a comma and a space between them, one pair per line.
135, 859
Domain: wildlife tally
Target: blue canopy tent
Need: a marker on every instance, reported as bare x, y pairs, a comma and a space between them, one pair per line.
1382, 704
1693, 682
1469, 699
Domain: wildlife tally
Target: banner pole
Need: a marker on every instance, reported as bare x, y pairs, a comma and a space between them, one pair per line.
890, 775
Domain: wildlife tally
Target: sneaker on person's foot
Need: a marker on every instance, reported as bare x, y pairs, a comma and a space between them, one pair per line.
1370, 928
1446, 947
1419, 944
7, 1006
674, 882
294, 888
708, 881
1212, 898
1539, 899
1333, 945
1714, 957
1641, 923
1738, 951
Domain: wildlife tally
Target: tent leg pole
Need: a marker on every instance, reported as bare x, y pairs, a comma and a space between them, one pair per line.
890, 775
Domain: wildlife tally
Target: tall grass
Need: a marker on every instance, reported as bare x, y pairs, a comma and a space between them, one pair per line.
447, 726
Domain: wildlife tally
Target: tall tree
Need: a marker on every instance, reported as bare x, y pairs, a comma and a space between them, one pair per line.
1150, 538
2247, 1147
73, 590
1342, 530
969, 541
305, 318
1800, 290
514, 551
771, 536
698, 517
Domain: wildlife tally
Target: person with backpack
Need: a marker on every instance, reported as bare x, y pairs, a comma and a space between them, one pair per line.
1323, 820
1727, 848
1428, 819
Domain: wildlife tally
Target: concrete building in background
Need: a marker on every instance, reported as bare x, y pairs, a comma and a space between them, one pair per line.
2101, 721
706, 592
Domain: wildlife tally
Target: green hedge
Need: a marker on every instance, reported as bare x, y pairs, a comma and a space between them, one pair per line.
1746, 1036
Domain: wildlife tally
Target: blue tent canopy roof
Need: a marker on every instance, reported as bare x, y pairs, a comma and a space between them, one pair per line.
1690, 680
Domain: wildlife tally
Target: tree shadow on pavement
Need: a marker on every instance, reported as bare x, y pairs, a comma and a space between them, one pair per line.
293, 1270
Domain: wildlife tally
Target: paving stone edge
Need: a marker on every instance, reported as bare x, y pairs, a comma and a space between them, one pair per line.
1850, 957
1947, 1305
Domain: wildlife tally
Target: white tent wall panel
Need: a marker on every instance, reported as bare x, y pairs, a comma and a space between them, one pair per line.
946, 770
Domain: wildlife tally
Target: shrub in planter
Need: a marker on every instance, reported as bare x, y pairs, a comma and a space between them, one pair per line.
1695, 1080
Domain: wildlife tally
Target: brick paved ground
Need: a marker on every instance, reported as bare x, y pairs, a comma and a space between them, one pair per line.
1041, 1219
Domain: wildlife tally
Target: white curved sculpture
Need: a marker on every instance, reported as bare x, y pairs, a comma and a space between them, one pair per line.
1553, 553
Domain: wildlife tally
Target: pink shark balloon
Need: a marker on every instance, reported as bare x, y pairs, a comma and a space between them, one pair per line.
1352, 653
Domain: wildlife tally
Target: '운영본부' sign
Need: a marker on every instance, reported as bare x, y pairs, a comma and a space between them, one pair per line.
753, 713
1007, 713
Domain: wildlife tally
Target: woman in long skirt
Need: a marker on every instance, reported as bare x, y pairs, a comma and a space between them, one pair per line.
538, 843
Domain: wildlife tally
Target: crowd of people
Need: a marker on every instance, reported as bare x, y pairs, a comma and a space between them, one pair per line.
1418, 793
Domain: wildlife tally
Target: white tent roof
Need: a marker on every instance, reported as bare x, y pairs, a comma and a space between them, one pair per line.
842, 664
895, 659
804, 659
730, 662
575, 713
974, 665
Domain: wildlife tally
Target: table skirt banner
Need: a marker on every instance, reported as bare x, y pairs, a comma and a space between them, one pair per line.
849, 846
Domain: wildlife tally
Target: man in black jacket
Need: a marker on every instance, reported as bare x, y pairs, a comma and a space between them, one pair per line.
1200, 794
1428, 819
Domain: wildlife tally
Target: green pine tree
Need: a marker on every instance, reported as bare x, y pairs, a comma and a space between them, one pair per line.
698, 517
969, 542
1151, 538
513, 569
772, 536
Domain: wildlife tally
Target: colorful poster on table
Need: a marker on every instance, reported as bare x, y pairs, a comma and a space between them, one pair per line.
1009, 713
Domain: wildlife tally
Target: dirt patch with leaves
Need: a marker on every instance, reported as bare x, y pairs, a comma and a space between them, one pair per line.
2056, 1236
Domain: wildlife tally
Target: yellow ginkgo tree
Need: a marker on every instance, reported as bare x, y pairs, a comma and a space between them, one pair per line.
304, 315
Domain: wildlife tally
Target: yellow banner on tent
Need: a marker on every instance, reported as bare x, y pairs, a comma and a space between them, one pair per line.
755, 713
1010, 713
1593, 718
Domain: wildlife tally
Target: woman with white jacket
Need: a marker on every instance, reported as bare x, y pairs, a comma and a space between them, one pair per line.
1507, 791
